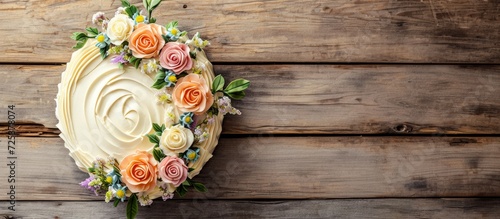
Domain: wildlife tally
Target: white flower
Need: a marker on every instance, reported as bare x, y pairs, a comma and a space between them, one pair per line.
150, 66
175, 140
168, 190
98, 17
224, 105
201, 133
119, 28
197, 42
163, 97
120, 10
144, 199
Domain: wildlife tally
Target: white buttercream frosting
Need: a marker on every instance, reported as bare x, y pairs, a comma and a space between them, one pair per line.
105, 111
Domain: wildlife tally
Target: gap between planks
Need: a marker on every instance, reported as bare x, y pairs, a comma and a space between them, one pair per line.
336, 208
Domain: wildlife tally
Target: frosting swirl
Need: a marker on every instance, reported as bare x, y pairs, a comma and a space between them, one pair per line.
104, 110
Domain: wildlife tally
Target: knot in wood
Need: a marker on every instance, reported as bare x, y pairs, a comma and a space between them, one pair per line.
402, 128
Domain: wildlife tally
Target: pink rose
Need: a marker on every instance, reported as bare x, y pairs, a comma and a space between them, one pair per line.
139, 171
146, 40
175, 56
192, 94
173, 170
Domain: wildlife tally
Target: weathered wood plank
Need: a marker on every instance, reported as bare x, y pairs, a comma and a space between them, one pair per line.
295, 168
437, 31
327, 99
340, 208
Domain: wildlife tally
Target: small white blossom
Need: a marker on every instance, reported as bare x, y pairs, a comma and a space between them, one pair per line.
224, 105
163, 97
150, 66
197, 42
98, 17
144, 200
105, 24
120, 10
167, 196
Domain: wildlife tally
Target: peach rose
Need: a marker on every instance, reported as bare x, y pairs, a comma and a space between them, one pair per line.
139, 171
175, 56
146, 41
173, 170
192, 94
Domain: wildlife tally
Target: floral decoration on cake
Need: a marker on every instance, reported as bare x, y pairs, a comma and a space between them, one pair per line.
139, 107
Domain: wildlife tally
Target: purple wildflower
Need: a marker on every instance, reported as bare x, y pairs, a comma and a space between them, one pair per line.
119, 59
86, 182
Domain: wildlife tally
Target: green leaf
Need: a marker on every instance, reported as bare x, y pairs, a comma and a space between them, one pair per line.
131, 10
236, 95
154, 4
91, 170
237, 86
183, 74
172, 24
190, 169
93, 32
166, 38
163, 127
146, 4
135, 62
181, 190
158, 154
132, 206
159, 84
117, 201
80, 44
218, 84
192, 55
104, 52
200, 187
152, 20
160, 75
153, 139
78, 36
125, 3
156, 127
186, 183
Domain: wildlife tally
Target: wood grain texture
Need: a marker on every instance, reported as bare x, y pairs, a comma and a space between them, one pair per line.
340, 208
437, 31
311, 99
295, 168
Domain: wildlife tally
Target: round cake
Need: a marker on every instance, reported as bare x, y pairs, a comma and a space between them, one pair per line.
107, 111
139, 107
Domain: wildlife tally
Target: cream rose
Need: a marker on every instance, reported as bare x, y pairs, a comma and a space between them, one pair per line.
192, 94
139, 171
175, 56
173, 170
119, 28
175, 140
146, 41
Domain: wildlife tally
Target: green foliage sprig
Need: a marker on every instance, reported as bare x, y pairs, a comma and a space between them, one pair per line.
235, 89
81, 37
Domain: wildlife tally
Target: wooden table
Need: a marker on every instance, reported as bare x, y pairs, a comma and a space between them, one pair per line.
357, 109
